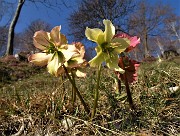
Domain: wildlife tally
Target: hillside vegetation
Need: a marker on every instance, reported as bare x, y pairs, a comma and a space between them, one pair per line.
33, 102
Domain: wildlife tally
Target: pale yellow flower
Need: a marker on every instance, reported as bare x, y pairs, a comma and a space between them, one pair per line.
108, 46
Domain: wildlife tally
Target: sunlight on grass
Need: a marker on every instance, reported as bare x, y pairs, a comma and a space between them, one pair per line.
40, 103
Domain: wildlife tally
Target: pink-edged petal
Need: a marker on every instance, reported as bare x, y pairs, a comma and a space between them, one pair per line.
55, 35
134, 40
80, 48
40, 59
63, 39
41, 40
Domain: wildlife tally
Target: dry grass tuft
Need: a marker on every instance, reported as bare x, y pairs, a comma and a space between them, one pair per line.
37, 104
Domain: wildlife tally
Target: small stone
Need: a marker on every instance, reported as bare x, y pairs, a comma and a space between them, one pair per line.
67, 123
173, 89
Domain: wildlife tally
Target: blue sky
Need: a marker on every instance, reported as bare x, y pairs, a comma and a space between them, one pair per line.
30, 13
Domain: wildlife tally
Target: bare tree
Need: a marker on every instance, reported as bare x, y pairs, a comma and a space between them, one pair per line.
9, 50
2, 9
47, 3
27, 35
3, 36
91, 13
5, 10
169, 40
89, 53
173, 29
148, 21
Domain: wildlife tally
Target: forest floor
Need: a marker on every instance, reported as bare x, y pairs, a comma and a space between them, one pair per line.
33, 102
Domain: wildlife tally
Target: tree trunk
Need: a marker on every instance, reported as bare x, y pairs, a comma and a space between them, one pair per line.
146, 49
9, 50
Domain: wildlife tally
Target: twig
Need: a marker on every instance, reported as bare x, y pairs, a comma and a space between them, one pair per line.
20, 130
168, 75
114, 121
90, 123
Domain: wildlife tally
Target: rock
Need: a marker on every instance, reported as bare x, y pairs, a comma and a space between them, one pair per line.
67, 123
173, 89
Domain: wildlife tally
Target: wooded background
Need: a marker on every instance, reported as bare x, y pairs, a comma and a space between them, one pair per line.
156, 24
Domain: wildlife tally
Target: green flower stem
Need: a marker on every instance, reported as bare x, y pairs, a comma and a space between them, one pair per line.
119, 85
86, 108
73, 90
127, 89
62, 82
96, 93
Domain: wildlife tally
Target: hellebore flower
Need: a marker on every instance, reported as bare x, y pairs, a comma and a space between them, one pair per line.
55, 50
108, 46
131, 67
134, 41
78, 57
77, 61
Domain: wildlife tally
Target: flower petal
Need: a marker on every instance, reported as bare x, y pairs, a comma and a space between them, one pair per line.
72, 63
95, 35
77, 58
41, 40
40, 59
109, 30
60, 71
80, 48
55, 34
57, 37
55, 64
131, 67
112, 63
134, 40
63, 39
98, 59
119, 44
68, 53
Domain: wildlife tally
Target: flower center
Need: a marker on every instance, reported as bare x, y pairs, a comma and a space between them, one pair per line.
51, 48
106, 48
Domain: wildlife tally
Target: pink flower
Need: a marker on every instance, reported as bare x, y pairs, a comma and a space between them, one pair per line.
130, 67
134, 40
56, 53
